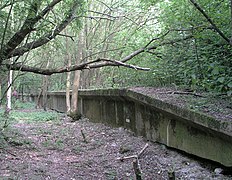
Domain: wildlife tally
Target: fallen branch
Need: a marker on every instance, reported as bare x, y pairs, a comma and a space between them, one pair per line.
84, 137
136, 165
141, 152
127, 157
136, 156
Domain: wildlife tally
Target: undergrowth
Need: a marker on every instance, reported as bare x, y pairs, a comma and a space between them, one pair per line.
26, 114
35, 116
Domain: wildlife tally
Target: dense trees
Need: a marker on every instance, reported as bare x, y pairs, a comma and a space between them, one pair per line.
195, 50
183, 42
205, 59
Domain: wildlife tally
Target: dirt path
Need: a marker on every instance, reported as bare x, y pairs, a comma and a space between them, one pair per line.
56, 150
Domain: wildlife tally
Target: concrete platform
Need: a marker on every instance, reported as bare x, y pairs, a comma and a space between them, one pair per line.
158, 121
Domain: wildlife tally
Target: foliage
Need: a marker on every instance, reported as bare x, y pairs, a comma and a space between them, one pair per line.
200, 62
114, 29
204, 61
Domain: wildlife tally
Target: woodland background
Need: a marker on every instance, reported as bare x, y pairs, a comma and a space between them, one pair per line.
184, 43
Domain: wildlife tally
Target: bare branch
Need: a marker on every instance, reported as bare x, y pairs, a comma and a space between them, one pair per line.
145, 49
154, 39
119, 63
104, 14
193, 28
65, 35
106, 5
98, 17
104, 51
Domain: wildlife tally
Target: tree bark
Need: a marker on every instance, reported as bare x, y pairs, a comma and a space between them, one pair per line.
76, 81
68, 79
231, 21
0, 92
45, 89
38, 105
9, 91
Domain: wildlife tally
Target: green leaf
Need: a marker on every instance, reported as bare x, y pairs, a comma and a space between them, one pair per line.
229, 84
229, 93
215, 71
221, 79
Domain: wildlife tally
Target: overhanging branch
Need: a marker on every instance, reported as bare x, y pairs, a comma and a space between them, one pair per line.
101, 62
82, 66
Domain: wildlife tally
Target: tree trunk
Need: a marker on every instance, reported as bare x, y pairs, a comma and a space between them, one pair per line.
45, 89
74, 101
38, 105
76, 82
231, 21
68, 79
0, 92
9, 91
22, 93
68, 86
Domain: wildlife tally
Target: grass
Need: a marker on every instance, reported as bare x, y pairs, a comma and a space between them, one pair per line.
35, 116
23, 105
26, 114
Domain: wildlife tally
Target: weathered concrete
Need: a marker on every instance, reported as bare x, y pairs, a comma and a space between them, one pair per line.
156, 120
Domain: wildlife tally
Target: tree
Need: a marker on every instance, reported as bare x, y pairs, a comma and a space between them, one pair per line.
177, 38
29, 36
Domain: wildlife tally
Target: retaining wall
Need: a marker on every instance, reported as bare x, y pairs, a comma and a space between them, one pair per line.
156, 120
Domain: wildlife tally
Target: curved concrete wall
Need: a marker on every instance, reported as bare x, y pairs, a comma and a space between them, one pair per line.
156, 120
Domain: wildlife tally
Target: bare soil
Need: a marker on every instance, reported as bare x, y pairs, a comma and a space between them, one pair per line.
57, 150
